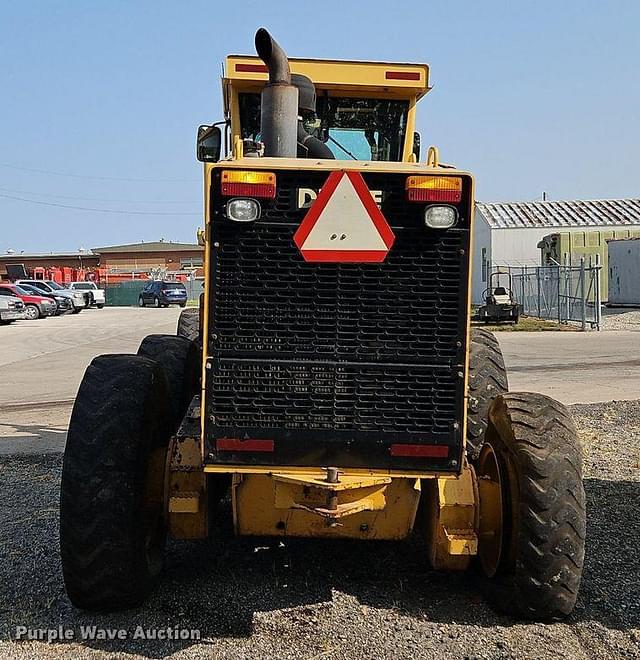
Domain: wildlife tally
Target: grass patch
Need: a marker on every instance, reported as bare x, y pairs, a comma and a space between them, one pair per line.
528, 324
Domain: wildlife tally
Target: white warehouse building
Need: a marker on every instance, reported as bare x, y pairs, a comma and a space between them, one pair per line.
508, 233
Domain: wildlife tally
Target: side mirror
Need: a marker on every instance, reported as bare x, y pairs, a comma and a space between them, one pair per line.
416, 146
209, 143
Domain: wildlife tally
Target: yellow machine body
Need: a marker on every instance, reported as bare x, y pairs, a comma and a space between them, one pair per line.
298, 501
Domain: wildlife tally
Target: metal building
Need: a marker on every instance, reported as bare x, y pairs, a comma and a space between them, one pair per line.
508, 233
624, 272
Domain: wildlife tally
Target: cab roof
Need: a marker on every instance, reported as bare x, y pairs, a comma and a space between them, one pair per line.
390, 79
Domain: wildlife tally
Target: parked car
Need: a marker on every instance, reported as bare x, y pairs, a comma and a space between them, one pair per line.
11, 309
163, 294
95, 296
62, 303
78, 299
36, 306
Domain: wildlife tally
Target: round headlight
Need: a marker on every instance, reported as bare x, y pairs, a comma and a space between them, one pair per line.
440, 217
243, 210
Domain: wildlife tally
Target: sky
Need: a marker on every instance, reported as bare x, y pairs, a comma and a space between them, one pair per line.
99, 101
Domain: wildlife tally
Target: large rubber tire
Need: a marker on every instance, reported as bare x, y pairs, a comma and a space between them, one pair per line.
544, 511
112, 527
487, 379
178, 357
189, 324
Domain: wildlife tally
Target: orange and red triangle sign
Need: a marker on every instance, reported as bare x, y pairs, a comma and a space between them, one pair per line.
344, 224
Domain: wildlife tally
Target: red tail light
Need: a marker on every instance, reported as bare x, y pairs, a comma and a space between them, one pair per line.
237, 444
420, 451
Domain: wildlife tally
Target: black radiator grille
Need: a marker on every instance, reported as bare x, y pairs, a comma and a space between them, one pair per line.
401, 399
339, 350
269, 300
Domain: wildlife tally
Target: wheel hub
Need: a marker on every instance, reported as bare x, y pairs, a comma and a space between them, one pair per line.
490, 534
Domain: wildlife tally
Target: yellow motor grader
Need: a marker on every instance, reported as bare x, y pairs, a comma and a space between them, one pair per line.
329, 380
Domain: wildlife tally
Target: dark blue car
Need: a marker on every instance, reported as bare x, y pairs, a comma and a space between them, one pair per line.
163, 294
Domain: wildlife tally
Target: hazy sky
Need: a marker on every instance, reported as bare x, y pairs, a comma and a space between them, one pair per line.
99, 101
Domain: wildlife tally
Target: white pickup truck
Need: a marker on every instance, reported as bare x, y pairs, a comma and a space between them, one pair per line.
11, 309
96, 295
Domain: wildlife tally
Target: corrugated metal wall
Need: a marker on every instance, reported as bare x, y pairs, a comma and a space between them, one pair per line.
624, 272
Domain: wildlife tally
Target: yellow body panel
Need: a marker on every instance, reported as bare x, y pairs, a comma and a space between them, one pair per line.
275, 505
186, 490
452, 506
343, 75
365, 504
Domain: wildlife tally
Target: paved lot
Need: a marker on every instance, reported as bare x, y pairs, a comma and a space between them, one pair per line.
42, 363
44, 360
574, 367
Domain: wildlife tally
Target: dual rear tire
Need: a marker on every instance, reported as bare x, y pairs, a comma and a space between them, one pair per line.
112, 509
112, 530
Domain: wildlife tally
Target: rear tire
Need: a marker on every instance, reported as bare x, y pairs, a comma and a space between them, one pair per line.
189, 324
538, 560
112, 527
178, 357
141, 302
100, 305
487, 379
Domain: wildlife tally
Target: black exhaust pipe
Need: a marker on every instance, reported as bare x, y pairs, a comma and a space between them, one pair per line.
279, 103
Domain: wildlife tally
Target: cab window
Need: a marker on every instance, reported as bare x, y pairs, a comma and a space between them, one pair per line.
353, 128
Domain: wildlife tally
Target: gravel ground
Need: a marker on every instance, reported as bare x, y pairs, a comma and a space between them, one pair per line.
310, 599
620, 319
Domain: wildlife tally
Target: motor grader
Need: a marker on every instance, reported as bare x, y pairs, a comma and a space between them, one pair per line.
329, 381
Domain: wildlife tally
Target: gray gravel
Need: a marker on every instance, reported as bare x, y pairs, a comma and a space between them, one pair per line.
310, 599
619, 318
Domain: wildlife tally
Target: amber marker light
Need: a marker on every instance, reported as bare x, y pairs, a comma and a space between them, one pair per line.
434, 188
243, 183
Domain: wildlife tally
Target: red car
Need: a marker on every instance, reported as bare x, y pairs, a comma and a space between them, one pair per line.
36, 307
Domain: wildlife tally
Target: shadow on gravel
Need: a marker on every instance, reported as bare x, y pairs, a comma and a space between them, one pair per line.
219, 585
32, 438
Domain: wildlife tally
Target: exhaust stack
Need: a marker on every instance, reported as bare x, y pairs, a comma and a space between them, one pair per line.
279, 102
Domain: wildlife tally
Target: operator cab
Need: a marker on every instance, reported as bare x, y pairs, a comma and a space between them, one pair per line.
364, 111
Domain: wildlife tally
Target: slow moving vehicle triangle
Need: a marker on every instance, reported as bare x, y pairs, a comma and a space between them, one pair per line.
344, 224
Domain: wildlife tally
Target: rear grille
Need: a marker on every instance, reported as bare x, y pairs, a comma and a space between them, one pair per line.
336, 349
404, 399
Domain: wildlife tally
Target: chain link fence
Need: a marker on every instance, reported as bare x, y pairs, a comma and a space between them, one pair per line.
559, 293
